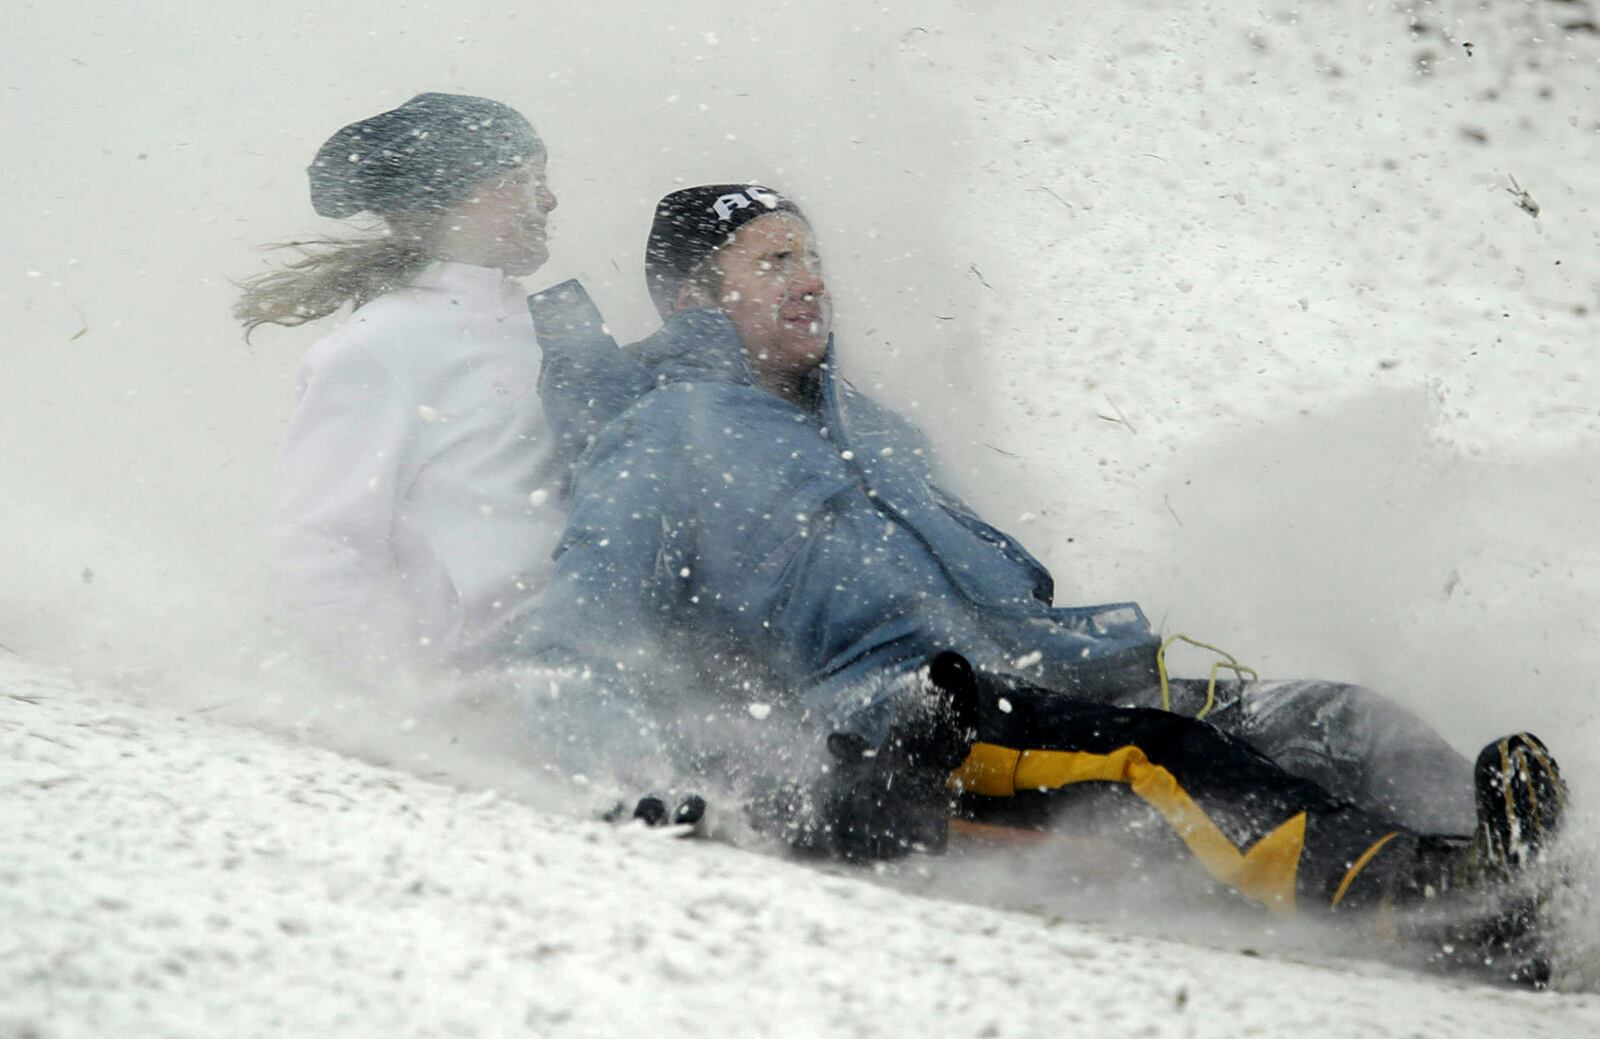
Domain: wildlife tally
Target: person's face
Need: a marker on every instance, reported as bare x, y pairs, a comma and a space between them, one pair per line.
507, 215
772, 291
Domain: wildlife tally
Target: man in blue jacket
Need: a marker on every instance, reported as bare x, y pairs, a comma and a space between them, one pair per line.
750, 533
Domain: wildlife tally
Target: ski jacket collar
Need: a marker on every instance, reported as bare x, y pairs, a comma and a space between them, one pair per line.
701, 345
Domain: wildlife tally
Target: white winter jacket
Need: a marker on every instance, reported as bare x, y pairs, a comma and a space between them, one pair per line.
418, 486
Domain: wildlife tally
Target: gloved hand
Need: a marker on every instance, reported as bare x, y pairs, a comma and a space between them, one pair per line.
652, 810
885, 801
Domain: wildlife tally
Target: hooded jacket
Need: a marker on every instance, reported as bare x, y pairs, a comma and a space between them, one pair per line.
777, 546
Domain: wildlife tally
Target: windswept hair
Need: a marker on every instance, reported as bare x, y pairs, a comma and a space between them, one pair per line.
333, 272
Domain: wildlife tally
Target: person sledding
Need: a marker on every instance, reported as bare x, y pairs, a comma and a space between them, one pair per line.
418, 486
748, 530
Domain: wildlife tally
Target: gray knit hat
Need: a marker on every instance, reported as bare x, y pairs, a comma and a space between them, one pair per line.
426, 154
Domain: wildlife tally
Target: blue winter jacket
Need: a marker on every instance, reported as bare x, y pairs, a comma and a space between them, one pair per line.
809, 550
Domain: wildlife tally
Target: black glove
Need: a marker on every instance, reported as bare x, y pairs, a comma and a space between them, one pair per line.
886, 801
652, 810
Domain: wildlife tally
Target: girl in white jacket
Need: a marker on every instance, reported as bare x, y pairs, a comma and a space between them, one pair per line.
418, 489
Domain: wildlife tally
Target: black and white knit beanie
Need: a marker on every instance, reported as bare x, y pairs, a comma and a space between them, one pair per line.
693, 223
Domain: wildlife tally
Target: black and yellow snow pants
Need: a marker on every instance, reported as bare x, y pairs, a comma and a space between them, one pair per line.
1279, 840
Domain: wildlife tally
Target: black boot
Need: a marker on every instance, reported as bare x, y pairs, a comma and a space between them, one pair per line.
1483, 898
1521, 801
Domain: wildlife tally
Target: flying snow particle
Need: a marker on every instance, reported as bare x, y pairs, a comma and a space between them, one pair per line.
426, 413
1004, 705
539, 497
1028, 659
759, 711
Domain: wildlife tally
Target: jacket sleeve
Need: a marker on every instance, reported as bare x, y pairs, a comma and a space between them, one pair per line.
615, 565
339, 477
789, 556
854, 601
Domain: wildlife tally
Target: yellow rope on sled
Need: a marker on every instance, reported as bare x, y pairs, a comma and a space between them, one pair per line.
1230, 662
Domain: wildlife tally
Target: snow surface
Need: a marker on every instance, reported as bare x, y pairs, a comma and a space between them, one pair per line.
166, 875
1225, 306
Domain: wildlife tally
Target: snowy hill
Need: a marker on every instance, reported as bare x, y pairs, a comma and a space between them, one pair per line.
1232, 307
165, 875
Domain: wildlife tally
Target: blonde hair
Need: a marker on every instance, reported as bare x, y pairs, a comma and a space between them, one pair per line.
333, 272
